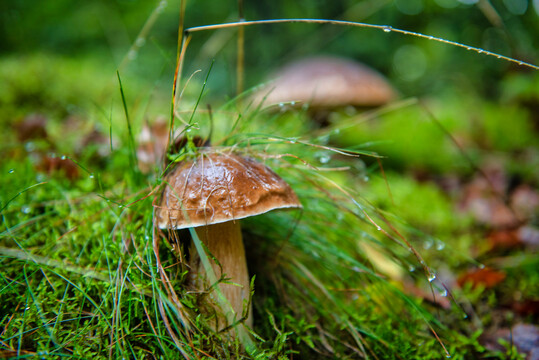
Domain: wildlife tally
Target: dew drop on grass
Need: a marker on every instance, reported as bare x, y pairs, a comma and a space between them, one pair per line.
91, 176
432, 277
63, 157
132, 54
387, 29
443, 293
427, 244
481, 266
440, 245
29, 146
411, 268
140, 42
292, 103
378, 228
366, 178
324, 159
11, 171
162, 5
26, 209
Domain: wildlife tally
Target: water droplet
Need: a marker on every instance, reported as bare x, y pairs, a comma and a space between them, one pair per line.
132, 55
481, 266
324, 159
91, 176
387, 29
378, 228
281, 105
366, 178
468, 48
480, 51
411, 268
120, 206
11, 171
26, 209
498, 57
292, 103
29, 146
63, 157
443, 293
440, 245
427, 244
140, 42
432, 277
465, 316
448, 355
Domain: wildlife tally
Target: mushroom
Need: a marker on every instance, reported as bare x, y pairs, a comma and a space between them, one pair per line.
211, 193
326, 83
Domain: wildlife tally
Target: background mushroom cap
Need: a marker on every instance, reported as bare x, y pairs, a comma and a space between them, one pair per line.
327, 82
218, 187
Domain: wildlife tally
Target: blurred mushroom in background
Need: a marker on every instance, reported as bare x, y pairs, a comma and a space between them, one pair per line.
325, 84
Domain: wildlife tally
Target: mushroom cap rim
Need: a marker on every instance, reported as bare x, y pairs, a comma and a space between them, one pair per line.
187, 225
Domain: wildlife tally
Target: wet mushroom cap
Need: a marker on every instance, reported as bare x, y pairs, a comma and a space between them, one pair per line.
217, 187
327, 82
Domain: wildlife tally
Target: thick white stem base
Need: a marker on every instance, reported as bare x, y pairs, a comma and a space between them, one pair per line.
224, 241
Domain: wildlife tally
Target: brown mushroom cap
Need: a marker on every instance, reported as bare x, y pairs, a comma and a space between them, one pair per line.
218, 187
327, 82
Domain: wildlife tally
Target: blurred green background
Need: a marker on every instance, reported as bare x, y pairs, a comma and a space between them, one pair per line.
105, 31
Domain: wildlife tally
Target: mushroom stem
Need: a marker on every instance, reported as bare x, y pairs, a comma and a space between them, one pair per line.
224, 242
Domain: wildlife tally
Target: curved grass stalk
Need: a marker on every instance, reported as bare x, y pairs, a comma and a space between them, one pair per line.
385, 28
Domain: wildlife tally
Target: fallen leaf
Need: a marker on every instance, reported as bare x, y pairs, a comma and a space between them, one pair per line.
52, 164
486, 277
32, 127
504, 239
527, 308
152, 142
